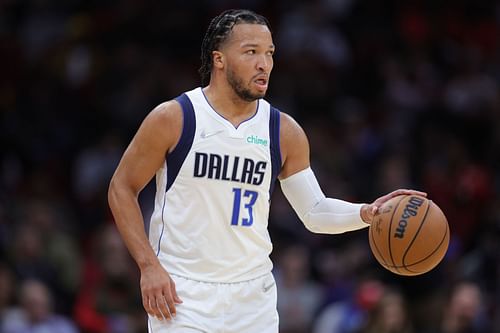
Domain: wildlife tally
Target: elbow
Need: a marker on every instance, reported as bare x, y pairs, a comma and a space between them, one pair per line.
112, 192
116, 189
312, 228
120, 190
306, 221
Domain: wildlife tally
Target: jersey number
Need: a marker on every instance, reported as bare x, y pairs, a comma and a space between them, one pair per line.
252, 198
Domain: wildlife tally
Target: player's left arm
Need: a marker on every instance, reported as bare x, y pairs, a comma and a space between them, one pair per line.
301, 188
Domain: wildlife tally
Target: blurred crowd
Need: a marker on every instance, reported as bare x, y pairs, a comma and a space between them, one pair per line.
391, 94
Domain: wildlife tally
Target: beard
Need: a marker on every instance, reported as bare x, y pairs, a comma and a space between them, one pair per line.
238, 87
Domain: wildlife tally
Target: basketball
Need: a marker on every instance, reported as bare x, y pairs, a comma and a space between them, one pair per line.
409, 235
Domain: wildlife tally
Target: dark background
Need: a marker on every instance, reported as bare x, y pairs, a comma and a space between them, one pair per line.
391, 94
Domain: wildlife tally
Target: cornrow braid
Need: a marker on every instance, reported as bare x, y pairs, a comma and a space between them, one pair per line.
217, 33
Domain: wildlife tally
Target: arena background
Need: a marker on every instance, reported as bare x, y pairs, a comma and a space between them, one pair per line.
391, 94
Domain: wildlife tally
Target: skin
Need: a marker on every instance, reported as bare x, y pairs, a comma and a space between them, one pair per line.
240, 75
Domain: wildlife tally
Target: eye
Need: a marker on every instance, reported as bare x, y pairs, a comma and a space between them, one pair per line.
270, 53
250, 51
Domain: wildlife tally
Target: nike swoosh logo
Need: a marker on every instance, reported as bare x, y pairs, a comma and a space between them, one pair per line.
205, 135
266, 288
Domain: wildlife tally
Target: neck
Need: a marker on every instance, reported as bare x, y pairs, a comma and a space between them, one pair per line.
228, 104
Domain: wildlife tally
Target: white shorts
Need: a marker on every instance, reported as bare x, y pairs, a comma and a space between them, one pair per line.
242, 307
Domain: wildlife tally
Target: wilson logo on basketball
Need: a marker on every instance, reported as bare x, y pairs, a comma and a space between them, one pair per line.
410, 210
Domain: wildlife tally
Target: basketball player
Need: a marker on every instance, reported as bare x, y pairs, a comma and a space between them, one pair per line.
216, 152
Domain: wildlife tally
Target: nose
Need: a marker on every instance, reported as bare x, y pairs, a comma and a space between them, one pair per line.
264, 63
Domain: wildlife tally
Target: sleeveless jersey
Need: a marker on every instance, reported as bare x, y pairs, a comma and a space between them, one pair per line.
213, 194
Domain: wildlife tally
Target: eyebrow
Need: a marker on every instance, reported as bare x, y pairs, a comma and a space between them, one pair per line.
257, 45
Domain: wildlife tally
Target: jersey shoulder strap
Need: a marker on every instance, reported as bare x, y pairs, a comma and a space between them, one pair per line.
178, 155
275, 150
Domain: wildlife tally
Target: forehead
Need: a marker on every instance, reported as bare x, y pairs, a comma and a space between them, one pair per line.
246, 33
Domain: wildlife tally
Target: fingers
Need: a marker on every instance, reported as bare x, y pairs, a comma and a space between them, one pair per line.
162, 307
160, 303
169, 302
368, 211
173, 291
159, 295
408, 192
166, 307
380, 201
147, 305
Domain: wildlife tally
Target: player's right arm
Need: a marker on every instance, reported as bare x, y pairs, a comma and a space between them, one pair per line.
157, 135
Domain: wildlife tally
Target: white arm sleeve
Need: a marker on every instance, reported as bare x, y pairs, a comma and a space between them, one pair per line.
319, 213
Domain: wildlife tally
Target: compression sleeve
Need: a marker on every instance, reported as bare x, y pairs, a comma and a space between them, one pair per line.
319, 213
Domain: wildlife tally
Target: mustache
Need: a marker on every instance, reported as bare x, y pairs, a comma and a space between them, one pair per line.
261, 76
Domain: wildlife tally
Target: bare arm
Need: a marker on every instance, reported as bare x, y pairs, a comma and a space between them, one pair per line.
146, 153
294, 147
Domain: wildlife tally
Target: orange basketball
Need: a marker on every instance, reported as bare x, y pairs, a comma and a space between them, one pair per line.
409, 235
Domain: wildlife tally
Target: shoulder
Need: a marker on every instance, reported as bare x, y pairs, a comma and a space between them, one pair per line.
290, 128
166, 112
163, 124
164, 118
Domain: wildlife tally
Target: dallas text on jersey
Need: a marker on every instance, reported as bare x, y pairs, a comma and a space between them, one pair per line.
214, 166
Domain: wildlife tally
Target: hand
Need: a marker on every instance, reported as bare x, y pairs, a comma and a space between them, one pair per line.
158, 292
368, 211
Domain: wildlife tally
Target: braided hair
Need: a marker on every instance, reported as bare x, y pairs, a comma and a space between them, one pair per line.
217, 33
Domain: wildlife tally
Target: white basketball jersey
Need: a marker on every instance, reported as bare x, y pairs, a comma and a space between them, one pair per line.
213, 194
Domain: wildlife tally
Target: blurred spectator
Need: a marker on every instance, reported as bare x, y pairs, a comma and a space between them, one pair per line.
35, 314
464, 311
60, 250
306, 32
298, 296
390, 315
109, 300
349, 315
7, 289
92, 171
27, 256
44, 249
341, 268
94, 167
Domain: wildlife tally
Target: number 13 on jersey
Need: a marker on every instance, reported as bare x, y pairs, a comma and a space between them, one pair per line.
247, 198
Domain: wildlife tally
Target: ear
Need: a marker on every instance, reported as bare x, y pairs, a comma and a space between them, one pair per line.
218, 59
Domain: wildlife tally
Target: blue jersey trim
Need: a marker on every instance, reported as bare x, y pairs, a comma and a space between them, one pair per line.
176, 158
162, 224
275, 150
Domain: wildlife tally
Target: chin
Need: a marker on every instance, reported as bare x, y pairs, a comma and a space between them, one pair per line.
251, 96
260, 94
